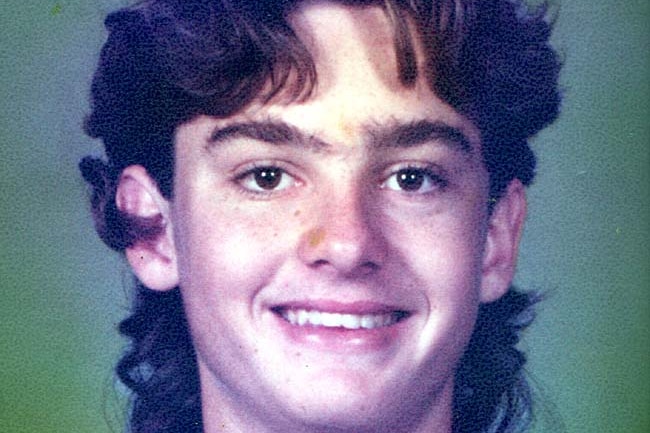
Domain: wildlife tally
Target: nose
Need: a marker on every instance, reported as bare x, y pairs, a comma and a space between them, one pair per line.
344, 237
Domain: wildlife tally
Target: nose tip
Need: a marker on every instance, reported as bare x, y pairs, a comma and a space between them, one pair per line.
343, 241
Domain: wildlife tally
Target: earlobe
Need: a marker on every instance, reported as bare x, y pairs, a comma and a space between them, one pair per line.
502, 244
153, 259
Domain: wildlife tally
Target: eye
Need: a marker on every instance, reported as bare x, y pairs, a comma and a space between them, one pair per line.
265, 179
420, 180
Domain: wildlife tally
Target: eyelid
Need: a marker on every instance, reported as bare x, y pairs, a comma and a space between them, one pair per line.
436, 175
249, 170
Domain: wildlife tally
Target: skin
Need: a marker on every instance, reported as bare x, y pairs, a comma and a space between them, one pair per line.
336, 232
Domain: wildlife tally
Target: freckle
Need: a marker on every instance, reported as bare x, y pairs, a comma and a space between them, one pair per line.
316, 237
346, 128
296, 213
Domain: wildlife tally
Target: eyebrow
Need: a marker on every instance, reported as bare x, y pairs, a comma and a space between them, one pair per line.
272, 132
421, 132
399, 135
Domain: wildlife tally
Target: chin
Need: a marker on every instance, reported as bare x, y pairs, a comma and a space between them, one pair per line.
348, 403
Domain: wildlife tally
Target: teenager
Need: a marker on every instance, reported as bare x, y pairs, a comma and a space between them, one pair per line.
321, 202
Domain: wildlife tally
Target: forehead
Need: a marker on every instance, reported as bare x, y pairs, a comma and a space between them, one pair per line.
358, 86
345, 40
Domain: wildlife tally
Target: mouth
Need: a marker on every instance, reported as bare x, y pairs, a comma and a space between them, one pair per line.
331, 327
308, 317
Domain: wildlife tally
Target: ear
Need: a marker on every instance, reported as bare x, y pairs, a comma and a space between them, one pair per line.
153, 260
503, 234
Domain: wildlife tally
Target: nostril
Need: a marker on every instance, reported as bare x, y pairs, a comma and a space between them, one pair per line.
320, 262
369, 267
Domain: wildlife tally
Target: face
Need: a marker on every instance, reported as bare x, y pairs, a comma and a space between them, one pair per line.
332, 253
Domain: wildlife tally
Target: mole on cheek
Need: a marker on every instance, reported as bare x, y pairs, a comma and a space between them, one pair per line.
316, 237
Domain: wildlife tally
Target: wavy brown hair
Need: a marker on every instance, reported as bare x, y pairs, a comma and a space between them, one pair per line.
168, 61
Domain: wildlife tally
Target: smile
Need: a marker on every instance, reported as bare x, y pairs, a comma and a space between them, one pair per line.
314, 318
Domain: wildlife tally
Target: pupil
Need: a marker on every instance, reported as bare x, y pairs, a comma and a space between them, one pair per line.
410, 180
268, 178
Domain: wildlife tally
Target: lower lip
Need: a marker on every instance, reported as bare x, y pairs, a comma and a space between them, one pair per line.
339, 339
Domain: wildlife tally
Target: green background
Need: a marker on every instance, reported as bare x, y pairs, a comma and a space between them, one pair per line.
586, 243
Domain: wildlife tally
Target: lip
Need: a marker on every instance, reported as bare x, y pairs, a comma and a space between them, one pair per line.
341, 339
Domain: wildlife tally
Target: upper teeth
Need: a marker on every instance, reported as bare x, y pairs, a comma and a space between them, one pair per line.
303, 317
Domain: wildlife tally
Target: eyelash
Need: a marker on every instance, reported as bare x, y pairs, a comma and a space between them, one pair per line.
427, 176
272, 171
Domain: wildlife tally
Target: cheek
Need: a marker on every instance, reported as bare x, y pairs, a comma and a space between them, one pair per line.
223, 264
440, 246
445, 255
223, 249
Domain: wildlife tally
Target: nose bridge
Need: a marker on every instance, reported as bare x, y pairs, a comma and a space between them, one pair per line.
342, 234
345, 217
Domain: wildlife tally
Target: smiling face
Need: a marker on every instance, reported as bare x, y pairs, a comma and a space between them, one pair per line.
332, 254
